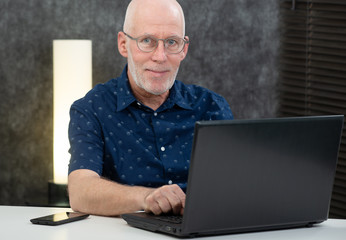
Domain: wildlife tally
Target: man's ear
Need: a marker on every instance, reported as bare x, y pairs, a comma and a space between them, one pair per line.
186, 48
122, 44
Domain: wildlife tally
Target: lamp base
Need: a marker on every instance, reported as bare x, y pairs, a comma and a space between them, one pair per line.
57, 195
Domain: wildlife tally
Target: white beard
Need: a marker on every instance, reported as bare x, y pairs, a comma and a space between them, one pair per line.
145, 83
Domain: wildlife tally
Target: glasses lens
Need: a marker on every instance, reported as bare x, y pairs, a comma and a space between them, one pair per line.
147, 43
174, 45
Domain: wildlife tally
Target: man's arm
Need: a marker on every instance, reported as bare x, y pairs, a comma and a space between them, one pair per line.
89, 193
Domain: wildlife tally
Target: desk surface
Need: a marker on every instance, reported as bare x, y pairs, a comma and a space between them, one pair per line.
15, 224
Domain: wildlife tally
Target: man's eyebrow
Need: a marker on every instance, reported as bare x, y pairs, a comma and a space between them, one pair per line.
170, 36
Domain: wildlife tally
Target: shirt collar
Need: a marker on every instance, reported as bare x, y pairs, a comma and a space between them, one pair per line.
125, 96
176, 97
124, 92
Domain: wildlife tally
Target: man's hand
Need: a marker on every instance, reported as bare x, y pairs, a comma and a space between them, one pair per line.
165, 199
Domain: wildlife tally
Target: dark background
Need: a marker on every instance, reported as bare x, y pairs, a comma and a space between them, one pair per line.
234, 51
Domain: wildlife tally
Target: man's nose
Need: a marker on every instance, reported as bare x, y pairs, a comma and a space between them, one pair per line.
159, 53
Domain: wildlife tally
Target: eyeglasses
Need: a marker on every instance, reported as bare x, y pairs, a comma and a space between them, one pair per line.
148, 43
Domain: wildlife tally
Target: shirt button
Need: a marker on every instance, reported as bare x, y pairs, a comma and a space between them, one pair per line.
170, 182
163, 149
138, 103
155, 114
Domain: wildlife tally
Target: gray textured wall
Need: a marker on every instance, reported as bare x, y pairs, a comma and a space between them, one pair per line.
233, 51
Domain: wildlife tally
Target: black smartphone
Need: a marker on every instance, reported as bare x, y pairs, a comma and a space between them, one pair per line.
59, 218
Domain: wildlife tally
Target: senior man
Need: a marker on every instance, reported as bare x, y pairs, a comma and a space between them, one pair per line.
131, 137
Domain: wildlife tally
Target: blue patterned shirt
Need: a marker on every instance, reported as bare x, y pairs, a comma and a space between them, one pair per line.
119, 138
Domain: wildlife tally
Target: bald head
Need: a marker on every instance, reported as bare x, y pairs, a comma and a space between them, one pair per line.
153, 11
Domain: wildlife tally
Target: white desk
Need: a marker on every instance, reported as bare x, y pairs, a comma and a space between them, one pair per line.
15, 224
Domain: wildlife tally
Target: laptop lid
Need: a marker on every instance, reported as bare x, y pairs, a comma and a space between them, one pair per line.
261, 174
248, 175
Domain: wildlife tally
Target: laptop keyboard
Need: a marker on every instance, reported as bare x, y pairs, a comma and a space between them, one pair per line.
177, 219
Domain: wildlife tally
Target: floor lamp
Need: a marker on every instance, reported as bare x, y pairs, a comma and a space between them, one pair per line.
72, 77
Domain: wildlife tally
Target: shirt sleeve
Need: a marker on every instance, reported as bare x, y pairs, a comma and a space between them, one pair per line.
86, 142
218, 109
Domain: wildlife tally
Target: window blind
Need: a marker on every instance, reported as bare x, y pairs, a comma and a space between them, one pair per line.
313, 71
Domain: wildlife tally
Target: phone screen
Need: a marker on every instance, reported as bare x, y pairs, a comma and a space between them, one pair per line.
59, 218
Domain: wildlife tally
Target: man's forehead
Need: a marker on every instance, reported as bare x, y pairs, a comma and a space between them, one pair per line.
162, 14
143, 3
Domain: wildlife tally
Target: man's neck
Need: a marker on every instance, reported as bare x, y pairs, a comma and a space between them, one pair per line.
151, 100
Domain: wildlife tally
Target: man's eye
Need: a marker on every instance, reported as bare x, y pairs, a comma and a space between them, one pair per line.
171, 42
147, 40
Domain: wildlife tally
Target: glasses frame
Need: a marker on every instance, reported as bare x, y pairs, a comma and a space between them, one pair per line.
157, 43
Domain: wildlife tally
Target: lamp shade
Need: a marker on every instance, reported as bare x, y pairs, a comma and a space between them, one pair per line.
72, 76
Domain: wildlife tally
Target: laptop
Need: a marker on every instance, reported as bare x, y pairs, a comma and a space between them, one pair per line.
254, 175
